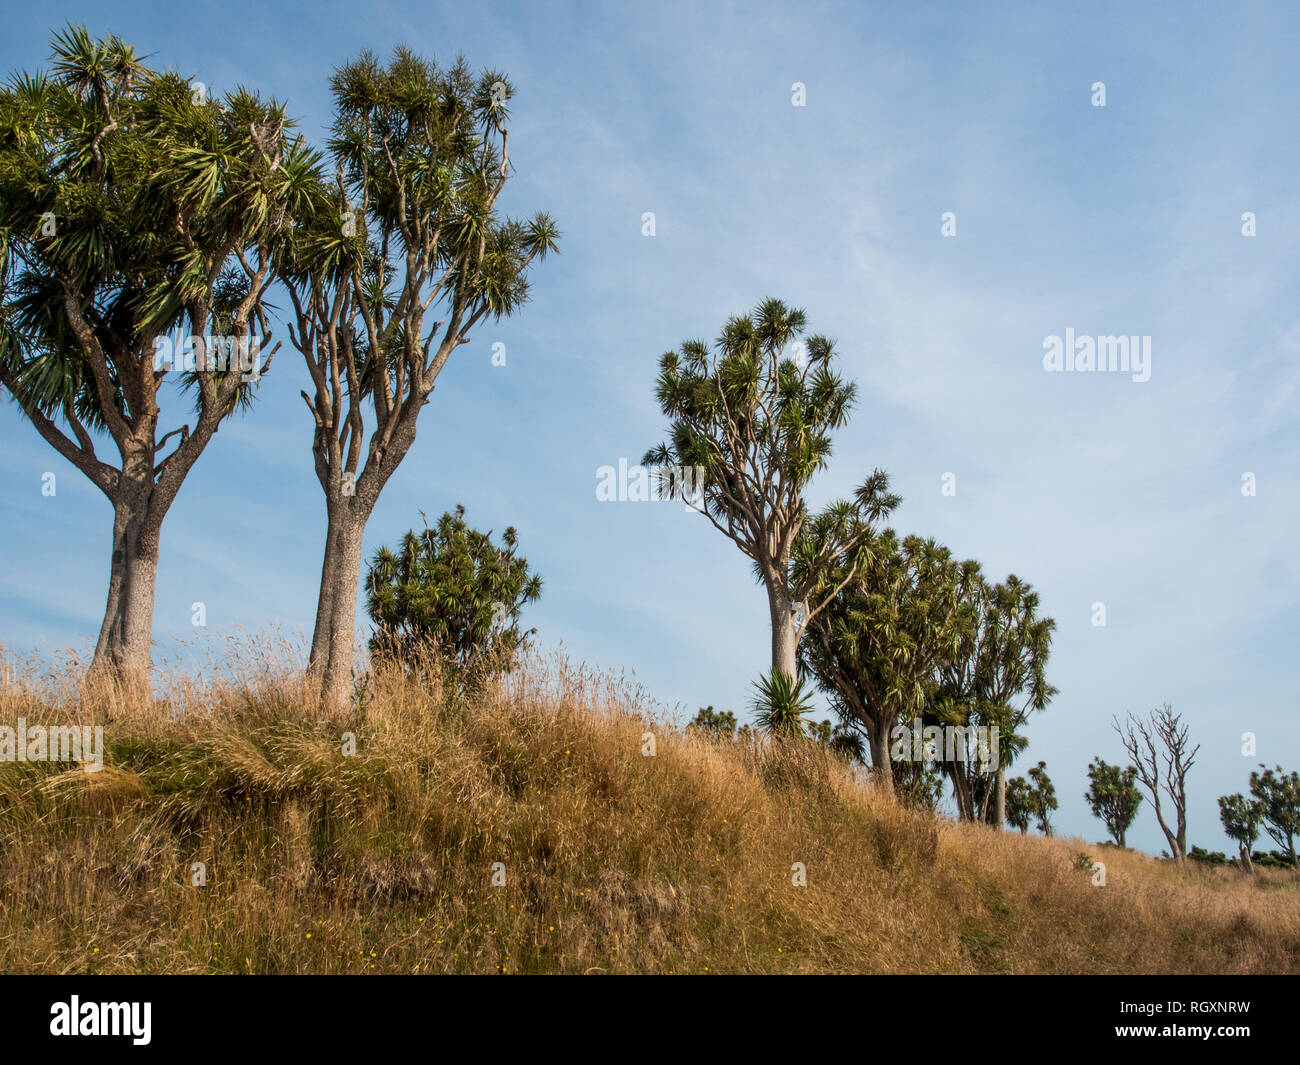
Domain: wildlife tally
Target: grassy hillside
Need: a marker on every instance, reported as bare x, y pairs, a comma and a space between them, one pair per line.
614, 861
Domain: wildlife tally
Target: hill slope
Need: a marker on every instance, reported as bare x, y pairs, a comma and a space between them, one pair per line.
613, 860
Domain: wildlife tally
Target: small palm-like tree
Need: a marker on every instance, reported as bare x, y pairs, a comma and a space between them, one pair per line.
848, 743
781, 705
452, 589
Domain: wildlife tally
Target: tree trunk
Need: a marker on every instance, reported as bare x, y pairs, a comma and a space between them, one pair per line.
1181, 810
109, 644
1000, 798
785, 646
334, 643
135, 659
340, 581
1246, 863
961, 790
124, 649
320, 639
1176, 850
881, 761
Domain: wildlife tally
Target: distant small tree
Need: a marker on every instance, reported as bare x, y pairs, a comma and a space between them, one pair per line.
1113, 796
1200, 854
1160, 749
1278, 795
716, 723
1019, 801
1270, 859
450, 587
1241, 818
1042, 797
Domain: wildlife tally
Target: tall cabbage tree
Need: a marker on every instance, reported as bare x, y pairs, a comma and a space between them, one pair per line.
996, 679
755, 413
406, 252
134, 207
886, 631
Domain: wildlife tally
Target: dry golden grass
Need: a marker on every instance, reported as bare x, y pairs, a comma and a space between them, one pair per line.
614, 861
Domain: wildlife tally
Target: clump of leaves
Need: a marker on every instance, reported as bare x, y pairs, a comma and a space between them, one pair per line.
716, 723
781, 704
450, 590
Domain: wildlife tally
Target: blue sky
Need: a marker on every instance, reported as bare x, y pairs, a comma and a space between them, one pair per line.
1117, 220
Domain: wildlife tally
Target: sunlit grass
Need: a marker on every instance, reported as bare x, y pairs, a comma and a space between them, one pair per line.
613, 861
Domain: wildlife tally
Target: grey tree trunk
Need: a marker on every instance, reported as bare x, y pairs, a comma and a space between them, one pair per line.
1000, 798
320, 640
143, 489
334, 638
340, 581
124, 649
135, 658
1176, 845
141, 494
881, 759
961, 790
785, 645
110, 631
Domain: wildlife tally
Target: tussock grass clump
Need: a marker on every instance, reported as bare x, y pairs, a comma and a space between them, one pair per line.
523, 828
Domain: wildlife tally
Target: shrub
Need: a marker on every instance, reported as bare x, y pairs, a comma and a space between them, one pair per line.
449, 592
